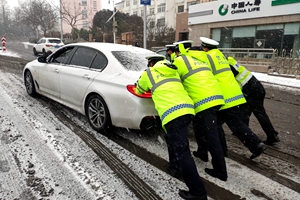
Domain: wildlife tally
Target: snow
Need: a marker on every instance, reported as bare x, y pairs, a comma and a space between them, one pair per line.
36, 147
8, 53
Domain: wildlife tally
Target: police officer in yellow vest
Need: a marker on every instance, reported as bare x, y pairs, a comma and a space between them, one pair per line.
170, 55
207, 96
254, 93
176, 111
230, 112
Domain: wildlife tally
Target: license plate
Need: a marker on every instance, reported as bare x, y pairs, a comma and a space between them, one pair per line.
56, 46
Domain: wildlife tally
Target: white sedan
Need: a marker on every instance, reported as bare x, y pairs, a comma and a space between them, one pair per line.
97, 80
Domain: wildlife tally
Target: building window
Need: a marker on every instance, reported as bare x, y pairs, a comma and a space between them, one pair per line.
161, 22
192, 3
134, 2
127, 3
151, 11
95, 5
134, 13
84, 3
85, 24
180, 9
161, 8
84, 14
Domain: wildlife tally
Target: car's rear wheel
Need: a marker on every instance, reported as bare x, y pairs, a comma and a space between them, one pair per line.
97, 113
29, 84
35, 52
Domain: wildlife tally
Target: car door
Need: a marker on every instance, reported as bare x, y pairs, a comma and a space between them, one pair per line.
77, 76
50, 72
40, 45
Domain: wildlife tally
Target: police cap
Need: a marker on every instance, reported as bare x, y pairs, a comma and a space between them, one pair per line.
206, 42
186, 43
155, 58
170, 47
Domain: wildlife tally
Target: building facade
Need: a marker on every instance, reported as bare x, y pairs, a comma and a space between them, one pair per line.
81, 10
248, 24
160, 12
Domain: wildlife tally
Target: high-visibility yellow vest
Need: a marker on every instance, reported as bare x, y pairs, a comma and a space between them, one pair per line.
243, 75
199, 82
168, 94
231, 90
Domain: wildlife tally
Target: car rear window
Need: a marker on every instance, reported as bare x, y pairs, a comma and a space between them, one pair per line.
132, 60
54, 41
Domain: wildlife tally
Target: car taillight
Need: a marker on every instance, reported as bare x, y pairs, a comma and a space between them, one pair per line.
49, 45
132, 90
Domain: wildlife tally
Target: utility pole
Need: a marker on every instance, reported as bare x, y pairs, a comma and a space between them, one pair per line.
145, 26
114, 22
145, 3
61, 21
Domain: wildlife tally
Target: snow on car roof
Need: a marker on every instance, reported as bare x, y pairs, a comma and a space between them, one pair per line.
112, 47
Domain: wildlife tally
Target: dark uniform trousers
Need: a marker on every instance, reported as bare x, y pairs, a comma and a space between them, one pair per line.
254, 93
206, 133
179, 153
232, 117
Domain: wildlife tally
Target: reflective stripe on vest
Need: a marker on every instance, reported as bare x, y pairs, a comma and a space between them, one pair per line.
243, 74
213, 67
216, 72
156, 85
174, 108
241, 96
191, 71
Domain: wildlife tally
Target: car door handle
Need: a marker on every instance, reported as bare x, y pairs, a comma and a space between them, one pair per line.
86, 76
56, 70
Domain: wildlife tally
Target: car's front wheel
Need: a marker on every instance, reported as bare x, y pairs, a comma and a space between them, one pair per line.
97, 113
35, 52
29, 84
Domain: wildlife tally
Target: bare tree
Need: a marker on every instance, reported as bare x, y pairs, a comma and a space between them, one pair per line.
38, 13
159, 35
3, 4
47, 17
71, 13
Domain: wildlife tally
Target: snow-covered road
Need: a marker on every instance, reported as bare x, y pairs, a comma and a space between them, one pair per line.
42, 158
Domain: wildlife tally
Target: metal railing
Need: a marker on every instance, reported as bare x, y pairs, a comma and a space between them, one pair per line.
287, 63
262, 60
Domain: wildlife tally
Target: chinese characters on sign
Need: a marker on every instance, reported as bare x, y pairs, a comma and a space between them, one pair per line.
245, 6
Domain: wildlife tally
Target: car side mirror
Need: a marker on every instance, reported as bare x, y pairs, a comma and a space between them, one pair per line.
42, 59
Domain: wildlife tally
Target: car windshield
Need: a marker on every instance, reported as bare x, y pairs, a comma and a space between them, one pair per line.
54, 41
133, 61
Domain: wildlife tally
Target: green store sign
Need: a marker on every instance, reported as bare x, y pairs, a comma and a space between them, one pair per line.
284, 2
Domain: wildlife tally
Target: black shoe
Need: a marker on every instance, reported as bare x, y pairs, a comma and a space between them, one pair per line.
173, 171
271, 141
202, 156
260, 149
213, 174
186, 195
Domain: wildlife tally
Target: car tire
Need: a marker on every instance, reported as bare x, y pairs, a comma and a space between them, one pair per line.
29, 84
35, 52
97, 113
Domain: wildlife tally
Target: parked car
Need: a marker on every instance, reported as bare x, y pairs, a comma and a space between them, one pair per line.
47, 44
97, 80
162, 51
